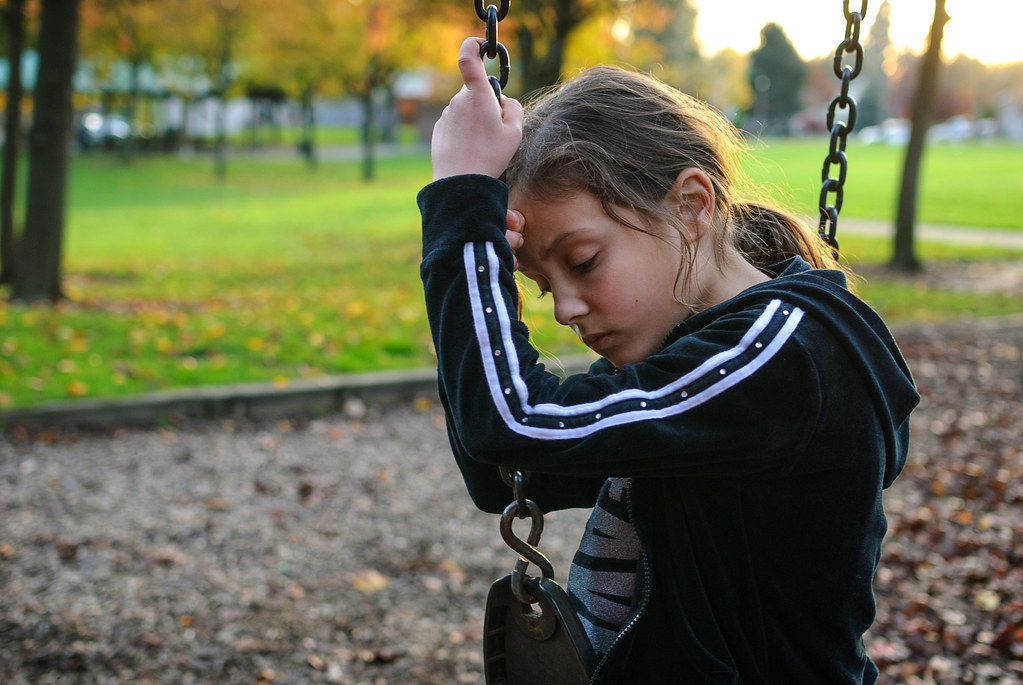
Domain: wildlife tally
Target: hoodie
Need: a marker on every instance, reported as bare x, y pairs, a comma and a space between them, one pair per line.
758, 441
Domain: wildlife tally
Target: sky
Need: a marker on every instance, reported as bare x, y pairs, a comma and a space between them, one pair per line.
988, 30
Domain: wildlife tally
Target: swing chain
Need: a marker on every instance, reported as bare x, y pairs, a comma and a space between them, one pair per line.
840, 130
491, 48
517, 480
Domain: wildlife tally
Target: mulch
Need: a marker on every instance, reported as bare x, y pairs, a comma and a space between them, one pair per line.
344, 549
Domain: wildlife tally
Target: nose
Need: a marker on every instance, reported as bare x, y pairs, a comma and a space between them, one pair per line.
569, 305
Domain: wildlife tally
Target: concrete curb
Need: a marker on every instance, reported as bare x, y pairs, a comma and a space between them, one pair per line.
254, 401
243, 400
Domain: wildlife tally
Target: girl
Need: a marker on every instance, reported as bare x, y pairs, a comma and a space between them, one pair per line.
747, 411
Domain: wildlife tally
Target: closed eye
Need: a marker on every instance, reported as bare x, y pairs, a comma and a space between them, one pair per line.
583, 267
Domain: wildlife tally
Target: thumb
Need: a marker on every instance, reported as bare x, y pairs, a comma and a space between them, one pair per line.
471, 66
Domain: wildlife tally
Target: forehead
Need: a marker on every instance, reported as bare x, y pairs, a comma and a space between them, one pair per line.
547, 217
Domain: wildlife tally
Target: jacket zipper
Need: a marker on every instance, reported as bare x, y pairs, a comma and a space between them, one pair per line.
644, 602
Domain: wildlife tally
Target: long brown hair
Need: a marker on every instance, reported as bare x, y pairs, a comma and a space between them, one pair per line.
625, 137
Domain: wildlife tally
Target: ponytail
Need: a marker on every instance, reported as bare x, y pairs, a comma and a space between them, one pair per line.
766, 235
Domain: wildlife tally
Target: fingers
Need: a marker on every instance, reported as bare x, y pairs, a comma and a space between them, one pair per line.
514, 239
515, 242
516, 222
511, 110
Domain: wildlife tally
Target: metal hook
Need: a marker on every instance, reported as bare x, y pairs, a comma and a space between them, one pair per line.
526, 548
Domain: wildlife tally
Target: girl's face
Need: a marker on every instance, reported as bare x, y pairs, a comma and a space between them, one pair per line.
614, 286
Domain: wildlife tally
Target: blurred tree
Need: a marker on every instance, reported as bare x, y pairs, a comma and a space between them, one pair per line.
963, 89
207, 32
542, 32
672, 25
819, 86
38, 274
122, 31
776, 76
903, 83
873, 106
320, 46
629, 32
294, 49
904, 256
658, 36
14, 24
218, 52
375, 52
728, 87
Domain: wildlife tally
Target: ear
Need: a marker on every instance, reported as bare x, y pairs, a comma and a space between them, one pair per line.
693, 197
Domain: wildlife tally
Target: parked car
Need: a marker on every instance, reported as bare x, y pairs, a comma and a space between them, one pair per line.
105, 131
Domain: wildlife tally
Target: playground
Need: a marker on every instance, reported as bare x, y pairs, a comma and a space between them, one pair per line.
344, 549
327, 537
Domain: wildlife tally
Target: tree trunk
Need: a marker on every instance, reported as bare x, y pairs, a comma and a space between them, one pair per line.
14, 18
368, 153
220, 139
39, 270
130, 106
308, 144
227, 17
904, 256
541, 71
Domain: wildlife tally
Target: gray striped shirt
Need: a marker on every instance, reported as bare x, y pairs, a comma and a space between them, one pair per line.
602, 578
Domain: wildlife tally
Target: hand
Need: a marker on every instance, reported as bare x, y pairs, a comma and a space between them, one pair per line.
475, 134
516, 224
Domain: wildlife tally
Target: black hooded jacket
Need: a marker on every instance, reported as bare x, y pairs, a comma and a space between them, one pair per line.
758, 441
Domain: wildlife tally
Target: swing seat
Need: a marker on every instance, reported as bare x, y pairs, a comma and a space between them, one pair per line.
524, 646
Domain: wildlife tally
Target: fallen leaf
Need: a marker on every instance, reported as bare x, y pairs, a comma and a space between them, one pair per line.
988, 600
165, 556
217, 504
370, 581
77, 388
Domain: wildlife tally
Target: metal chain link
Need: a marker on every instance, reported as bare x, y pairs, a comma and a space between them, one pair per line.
840, 130
491, 47
516, 480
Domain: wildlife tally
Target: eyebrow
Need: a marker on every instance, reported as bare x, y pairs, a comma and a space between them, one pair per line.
560, 239
550, 248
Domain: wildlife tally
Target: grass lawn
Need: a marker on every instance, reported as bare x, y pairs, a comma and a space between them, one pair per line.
976, 184
278, 272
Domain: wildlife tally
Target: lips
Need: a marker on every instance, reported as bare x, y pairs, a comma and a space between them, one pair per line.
596, 341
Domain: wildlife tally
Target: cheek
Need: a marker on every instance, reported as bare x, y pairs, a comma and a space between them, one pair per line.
659, 261
664, 275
